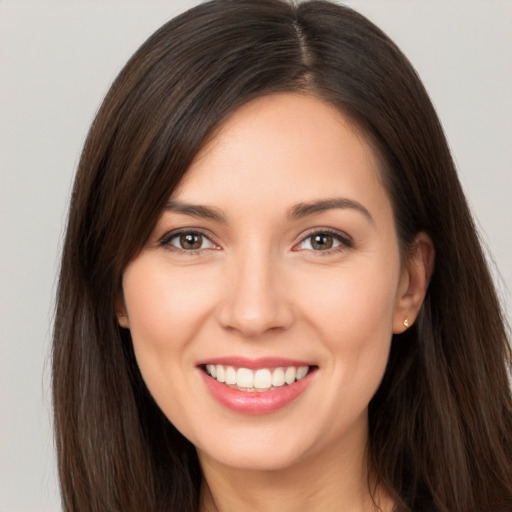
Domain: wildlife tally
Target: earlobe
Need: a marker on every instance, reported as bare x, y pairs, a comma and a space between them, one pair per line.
416, 275
121, 314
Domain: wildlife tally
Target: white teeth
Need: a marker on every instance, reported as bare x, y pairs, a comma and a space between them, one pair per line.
251, 380
212, 370
263, 379
302, 372
290, 374
220, 373
278, 377
230, 375
245, 378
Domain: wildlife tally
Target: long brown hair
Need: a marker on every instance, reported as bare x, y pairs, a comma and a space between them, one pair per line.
441, 421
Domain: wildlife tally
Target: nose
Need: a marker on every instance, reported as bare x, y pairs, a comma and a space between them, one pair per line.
256, 299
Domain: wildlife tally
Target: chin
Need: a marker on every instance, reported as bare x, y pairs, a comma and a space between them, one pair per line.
255, 460
263, 449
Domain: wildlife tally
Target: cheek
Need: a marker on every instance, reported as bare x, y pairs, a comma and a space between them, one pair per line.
354, 316
351, 299
165, 311
352, 309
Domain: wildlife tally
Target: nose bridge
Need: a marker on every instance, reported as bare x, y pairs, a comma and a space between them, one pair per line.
255, 300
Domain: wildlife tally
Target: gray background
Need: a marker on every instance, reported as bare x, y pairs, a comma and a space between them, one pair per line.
57, 59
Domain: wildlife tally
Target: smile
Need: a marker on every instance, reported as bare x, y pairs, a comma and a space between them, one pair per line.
256, 386
261, 379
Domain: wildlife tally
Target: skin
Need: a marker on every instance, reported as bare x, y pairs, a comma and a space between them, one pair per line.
257, 287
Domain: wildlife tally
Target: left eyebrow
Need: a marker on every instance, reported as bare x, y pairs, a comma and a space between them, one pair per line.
301, 210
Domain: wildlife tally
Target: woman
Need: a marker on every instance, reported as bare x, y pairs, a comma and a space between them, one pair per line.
272, 294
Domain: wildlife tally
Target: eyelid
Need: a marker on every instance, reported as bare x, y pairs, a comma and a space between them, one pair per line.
165, 240
345, 240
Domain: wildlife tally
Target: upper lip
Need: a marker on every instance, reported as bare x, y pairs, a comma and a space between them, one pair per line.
254, 363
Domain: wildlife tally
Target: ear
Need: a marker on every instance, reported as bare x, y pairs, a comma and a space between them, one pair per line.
121, 313
416, 273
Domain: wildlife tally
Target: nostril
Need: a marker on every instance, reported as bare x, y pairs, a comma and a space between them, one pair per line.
252, 321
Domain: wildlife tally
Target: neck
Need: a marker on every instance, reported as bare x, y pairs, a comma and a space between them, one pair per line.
335, 479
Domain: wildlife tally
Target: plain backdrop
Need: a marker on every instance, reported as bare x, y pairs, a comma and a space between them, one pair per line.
57, 59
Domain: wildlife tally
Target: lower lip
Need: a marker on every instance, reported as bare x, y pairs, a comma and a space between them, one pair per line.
255, 402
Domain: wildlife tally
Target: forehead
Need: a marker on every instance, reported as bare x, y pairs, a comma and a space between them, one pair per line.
286, 147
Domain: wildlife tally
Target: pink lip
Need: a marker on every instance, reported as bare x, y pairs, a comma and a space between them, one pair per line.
254, 364
255, 402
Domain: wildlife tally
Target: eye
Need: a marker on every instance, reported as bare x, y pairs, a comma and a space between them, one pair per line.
190, 241
324, 241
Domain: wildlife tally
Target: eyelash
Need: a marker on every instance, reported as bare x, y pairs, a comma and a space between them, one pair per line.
344, 241
167, 239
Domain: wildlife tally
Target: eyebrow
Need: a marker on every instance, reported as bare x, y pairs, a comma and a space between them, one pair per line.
301, 210
203, 212
297, 211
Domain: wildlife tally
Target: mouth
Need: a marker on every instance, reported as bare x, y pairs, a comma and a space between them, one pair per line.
256, 386
256, 380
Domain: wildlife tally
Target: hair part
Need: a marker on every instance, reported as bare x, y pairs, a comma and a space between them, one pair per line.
441, 421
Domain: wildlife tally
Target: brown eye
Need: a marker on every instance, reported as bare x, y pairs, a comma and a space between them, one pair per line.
322, 242
191, 241
325, 241
188, 241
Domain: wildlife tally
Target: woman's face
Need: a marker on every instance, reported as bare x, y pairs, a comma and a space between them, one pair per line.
277, 255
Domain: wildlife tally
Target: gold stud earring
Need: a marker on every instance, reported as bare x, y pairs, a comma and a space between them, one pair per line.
406, 322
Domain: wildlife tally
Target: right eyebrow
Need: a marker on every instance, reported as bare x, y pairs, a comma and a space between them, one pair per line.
196, 210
